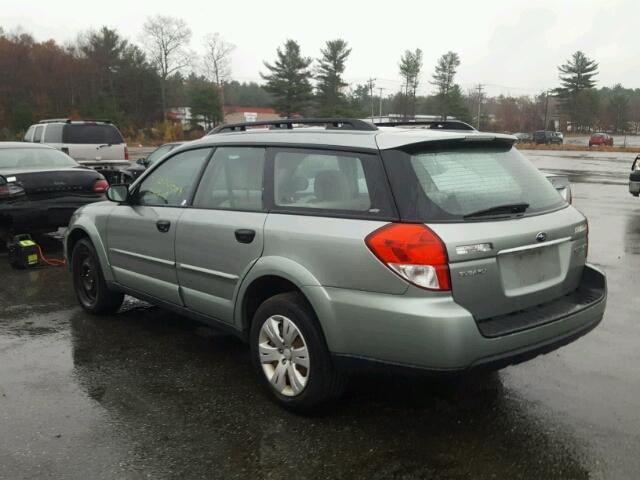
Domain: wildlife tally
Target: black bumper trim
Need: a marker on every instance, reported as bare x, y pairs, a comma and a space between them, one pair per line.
591, 290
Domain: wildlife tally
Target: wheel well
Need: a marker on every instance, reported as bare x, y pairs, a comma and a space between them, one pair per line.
74, 237
260, 290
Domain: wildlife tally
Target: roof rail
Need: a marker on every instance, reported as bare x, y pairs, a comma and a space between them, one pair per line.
430, 124
288, 123
70, 120
54, 120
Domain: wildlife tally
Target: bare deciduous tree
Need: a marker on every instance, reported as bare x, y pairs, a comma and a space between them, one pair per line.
217, 61
166, 40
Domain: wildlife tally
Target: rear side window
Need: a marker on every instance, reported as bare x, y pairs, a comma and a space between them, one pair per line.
37, 135
449, 182
92, 134
329, 181
233, 180
53, 133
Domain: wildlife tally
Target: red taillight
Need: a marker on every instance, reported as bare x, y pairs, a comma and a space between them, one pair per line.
126, 152
414, 252
100, 186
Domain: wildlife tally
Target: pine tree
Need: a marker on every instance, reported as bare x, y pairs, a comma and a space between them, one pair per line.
448, 92
288, 80
331, 98
578, 100
410, 67
577, 74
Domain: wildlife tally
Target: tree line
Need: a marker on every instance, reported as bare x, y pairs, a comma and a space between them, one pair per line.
105, 75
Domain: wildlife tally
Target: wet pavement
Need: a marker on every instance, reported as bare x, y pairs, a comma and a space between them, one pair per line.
147, 394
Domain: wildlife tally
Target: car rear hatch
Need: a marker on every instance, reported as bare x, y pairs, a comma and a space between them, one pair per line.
512, 241
93, 141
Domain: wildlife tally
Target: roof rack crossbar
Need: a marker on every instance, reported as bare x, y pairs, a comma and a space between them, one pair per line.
288, 123
430, 124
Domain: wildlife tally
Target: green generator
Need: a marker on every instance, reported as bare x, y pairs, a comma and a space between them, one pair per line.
23, 252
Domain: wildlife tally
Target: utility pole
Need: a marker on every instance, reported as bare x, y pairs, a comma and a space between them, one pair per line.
371, 82
546, 109
380, 89
479, 88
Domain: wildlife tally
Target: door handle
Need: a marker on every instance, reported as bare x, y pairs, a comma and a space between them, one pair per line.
163, 225
245, 235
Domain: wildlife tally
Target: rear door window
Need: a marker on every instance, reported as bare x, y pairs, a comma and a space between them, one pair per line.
53, 133
329, 181
447, 183
82, 133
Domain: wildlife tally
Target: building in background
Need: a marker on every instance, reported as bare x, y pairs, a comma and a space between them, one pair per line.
235, 114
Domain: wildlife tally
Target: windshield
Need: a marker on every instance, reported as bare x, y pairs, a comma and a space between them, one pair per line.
158, 153
34, 158
450, 183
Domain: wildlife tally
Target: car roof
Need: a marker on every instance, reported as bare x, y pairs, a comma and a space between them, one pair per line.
383, 138
24, 145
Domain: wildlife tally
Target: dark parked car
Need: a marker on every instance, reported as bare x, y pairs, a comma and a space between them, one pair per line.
41, 187
142, 164
634, 178
523, 137
547, 137
600, 139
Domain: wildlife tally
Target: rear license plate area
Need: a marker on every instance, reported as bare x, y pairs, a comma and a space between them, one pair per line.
529, 267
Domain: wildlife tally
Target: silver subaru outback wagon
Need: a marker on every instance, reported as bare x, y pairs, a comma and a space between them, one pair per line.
341, 246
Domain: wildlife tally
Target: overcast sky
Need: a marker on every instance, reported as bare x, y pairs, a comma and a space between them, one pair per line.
512, 47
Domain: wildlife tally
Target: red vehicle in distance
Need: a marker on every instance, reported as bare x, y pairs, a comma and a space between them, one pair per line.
599, 139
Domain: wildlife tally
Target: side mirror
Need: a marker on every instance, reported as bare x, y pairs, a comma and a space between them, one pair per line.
142, 161
118, 193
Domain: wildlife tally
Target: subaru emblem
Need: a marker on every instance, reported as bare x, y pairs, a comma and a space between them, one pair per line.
541, 237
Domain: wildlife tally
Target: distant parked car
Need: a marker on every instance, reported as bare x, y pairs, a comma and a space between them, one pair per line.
523, 137
142, 164
547, 137
600, 139
634, 178
80, 139
41, 187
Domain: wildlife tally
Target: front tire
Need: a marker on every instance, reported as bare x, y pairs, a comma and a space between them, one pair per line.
89, 283
290, 355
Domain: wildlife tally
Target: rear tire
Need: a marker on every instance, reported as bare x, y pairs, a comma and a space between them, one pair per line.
88, 281
290, 356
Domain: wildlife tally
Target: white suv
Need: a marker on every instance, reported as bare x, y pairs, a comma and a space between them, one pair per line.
82, 140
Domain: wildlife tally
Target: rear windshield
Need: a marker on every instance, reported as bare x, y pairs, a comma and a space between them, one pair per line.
448, 183
94, 134
34, 158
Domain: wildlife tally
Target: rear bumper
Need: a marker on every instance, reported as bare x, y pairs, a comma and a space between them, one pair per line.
437, 335
43, 215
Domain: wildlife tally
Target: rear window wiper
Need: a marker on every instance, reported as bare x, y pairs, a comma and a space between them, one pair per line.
507, 209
